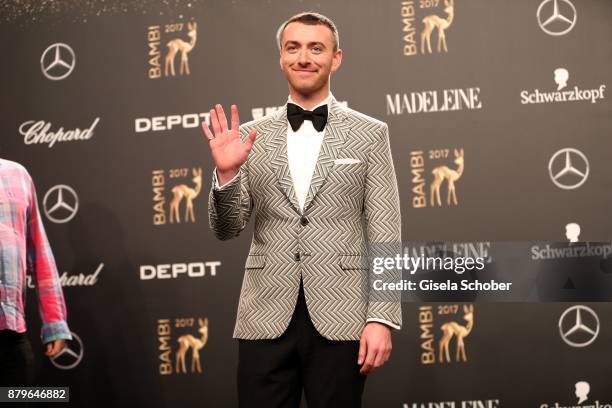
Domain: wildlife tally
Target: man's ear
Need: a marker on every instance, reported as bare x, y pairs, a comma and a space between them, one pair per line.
337, 60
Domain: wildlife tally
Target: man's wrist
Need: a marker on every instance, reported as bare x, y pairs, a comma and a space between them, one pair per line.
224, 177
383, 322
52, 331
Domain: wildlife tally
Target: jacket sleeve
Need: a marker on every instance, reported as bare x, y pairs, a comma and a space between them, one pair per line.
230, 206
383, 227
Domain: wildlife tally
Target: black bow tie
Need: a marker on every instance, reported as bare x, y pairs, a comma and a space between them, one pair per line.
297, 115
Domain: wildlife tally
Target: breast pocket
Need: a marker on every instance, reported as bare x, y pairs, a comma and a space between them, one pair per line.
350, 169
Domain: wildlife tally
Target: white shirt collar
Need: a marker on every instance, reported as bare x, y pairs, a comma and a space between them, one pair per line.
323, 102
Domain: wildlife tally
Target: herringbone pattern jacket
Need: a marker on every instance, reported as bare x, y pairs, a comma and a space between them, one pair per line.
348, 204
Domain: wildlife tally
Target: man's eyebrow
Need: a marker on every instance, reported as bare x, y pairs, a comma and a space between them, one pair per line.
293, 42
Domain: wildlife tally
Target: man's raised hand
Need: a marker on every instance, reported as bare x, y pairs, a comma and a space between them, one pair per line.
228, 151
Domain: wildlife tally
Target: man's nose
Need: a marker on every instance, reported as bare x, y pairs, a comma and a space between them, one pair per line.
303, 57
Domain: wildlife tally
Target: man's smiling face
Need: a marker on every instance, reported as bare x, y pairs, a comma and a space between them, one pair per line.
307, 56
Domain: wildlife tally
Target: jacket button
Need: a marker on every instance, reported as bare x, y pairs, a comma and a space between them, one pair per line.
296, 257
303, 220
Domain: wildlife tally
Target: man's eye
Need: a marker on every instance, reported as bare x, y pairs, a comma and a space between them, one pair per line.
317, 49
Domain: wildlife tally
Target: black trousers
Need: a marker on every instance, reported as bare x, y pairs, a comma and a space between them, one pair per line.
272, 373
16, 359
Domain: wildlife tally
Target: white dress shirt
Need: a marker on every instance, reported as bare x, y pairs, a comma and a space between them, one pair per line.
303, 147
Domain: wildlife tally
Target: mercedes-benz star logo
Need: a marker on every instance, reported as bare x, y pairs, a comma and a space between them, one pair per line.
579, 326
61, 203
557, 18
71, 355
57, 62
568, 168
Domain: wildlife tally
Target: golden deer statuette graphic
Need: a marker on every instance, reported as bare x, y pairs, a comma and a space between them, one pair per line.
434, 21
445, 173
184, 47
196, 344
184, 191
454, 329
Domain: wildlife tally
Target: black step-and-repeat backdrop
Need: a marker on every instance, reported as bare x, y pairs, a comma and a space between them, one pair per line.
507, 100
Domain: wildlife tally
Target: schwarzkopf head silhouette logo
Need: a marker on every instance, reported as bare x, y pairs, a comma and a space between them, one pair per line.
561, 77
582, 391
572, 232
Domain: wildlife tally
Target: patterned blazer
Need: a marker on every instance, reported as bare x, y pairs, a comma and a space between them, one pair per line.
349, 203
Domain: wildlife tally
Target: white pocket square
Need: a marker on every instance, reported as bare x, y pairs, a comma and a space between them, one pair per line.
346, 160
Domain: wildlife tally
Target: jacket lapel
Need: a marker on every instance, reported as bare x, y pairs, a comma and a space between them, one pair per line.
276, 147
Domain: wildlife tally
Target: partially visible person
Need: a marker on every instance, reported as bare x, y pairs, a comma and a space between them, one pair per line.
24, 248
